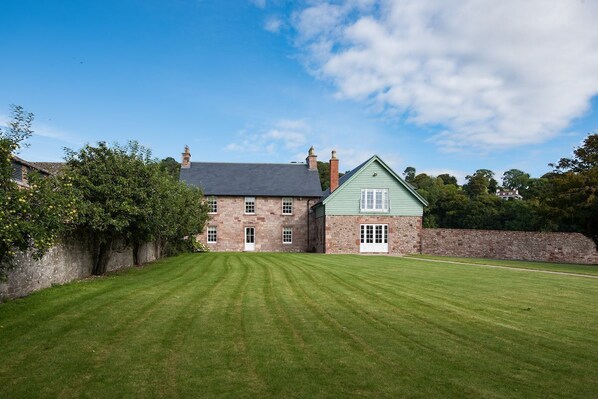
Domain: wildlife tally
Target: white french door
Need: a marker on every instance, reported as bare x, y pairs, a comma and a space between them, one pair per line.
374, 238
249, 238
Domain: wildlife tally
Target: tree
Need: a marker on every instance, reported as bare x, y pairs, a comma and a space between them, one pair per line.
409, 174
126, 196
171, 167
30, 218
448, 179
515, 179
324, 172
574, 183
480, 183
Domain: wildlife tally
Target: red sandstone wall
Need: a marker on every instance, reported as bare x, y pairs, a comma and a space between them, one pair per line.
268, 222
522, 245
342, 233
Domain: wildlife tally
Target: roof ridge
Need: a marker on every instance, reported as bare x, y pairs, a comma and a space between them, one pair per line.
254, 163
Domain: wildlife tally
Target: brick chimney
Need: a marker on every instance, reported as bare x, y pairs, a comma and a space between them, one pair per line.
312, 159
333, 172
186, 163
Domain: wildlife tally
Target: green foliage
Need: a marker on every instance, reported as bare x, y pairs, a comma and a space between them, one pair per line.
480, 183
127, 195
409, 174
565, 199
186, 245
171, 167
31, 217
269, 326
573, 200
515, 179
324, 172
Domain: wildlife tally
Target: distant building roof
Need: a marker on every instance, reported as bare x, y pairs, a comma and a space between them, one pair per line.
51, 167
20, 169
253, 179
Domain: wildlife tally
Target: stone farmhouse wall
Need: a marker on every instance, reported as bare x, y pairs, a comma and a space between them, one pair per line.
520, 245
268, 220
64, 263
342, 233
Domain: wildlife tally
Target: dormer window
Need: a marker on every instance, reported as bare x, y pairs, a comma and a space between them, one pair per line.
374, 200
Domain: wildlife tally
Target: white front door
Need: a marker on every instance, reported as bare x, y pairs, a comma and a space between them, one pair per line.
249, 238
374, 238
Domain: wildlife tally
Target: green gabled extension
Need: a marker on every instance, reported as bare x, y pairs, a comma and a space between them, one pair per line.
374, 173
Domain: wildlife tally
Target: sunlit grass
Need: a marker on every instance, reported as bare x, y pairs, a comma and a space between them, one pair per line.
304, 325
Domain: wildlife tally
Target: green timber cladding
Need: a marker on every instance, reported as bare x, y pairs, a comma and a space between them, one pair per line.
374, 173
389, 220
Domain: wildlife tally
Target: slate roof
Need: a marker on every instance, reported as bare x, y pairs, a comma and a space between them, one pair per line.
345, 177
253, 179
52, 167
32, 165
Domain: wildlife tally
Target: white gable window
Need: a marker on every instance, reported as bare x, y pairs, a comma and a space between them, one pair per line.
212, 234
287, 235
212, 205
250, 205
287, 206
374, 200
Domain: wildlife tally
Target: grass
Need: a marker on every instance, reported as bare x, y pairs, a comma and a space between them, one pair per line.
282, 325
553, 267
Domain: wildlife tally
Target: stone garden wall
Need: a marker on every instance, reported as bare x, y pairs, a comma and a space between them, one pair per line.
521, 245
63, 263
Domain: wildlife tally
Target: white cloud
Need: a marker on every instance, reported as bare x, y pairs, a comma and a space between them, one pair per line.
285, 134
258, 3
488, 73
273, 24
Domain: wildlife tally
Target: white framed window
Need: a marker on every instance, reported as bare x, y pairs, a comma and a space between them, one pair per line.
287, 206
212, 205
249, 205
374, 200
212, 234
287, 235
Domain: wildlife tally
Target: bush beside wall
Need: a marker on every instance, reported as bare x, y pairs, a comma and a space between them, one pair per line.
63, 263
519, 245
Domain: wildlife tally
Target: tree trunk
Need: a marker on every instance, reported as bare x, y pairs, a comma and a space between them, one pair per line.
102, 256
136, 250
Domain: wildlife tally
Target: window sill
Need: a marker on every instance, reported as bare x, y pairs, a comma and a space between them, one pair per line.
249, 213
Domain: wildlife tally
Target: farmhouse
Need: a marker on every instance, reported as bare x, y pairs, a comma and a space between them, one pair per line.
21, 168
281, 207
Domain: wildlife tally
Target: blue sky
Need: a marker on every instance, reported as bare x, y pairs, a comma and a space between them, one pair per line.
449, 87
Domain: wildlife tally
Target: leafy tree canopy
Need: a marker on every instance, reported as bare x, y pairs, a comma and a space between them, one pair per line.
126, 195
32, 217
515, 179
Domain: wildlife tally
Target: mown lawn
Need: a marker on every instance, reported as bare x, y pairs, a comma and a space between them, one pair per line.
276, 325
554, 267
